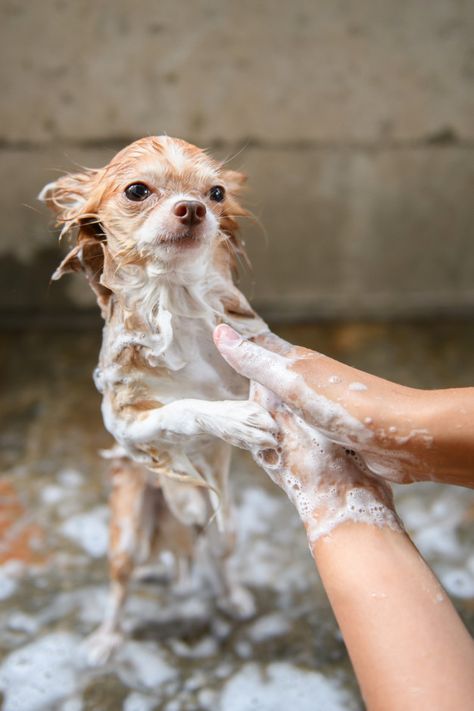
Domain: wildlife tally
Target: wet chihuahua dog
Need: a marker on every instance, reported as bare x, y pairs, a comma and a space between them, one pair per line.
155, 235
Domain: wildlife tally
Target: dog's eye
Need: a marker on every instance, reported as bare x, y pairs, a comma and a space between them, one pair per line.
217, 193
137, 192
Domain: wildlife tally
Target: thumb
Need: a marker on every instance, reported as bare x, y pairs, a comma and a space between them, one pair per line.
254, 362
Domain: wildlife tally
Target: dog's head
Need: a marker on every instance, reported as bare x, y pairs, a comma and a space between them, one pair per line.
160, 199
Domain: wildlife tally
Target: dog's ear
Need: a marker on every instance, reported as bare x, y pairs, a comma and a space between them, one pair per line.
73, 198
88, 257
234, 180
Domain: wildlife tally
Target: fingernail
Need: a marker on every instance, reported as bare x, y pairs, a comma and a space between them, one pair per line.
226, 336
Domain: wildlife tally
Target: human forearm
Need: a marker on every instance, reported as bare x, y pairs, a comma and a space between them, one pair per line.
429, 431
449, 417
409, 648
407, 644
403, 434
421, 435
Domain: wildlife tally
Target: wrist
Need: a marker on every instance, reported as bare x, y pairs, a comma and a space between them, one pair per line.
400, 417
368, 501
401, 436
370, 541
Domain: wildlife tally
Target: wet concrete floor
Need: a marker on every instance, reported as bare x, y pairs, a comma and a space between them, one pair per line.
181, 653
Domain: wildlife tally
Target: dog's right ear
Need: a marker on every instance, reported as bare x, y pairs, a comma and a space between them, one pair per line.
73, 198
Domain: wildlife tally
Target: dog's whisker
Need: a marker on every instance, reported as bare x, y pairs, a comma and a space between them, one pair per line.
235, 155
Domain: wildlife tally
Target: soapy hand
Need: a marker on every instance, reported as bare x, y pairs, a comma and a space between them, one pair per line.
375, 418
328, 483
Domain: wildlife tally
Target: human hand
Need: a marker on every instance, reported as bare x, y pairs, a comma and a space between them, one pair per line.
376, 418
327, 483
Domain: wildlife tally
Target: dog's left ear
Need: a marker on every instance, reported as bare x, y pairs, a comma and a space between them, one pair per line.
234, 180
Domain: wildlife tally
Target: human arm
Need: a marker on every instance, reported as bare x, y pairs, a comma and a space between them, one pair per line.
404, 434
408, 647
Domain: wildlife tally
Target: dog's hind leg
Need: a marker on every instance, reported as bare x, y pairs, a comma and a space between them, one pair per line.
221, 537
130, 534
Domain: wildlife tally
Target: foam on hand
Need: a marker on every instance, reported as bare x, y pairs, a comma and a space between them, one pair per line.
328, 485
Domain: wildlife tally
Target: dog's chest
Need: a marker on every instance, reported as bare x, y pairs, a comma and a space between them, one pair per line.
189, 367
201, 372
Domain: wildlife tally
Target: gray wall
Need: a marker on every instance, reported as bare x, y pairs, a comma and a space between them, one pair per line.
353, 120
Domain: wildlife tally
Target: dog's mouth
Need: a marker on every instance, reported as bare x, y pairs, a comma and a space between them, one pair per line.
181, 240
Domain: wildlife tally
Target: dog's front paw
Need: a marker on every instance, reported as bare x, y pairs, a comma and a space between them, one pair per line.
245, 424
100, 646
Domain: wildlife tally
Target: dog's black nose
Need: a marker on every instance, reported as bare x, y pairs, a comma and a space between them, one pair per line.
190, 212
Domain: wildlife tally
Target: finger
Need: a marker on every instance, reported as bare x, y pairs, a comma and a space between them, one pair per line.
281, 375
274, 343
257, 363
263, 396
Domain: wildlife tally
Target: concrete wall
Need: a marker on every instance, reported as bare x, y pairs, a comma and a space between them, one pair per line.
354, 122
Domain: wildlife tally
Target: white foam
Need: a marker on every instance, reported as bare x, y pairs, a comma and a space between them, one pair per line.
257, 509
89, 530
144, 664
37, 676
432, 515
281, 686
206, 647
73, 704
324, 506
422, 434
207, 699
260, 535
243, 649
269, 626
458, 582
139, 702
195, 681
360, 506
70, 478
224, 670
436, 517
21, 622
7, 584
52, 494
174, 705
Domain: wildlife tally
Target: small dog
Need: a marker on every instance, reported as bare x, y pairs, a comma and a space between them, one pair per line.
155, 235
